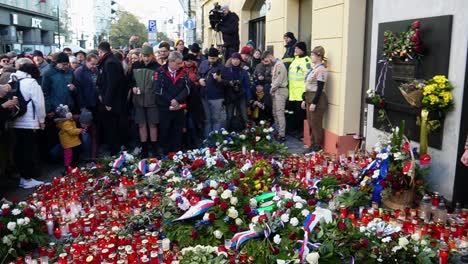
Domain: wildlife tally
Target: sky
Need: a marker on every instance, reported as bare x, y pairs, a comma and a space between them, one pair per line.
152, 9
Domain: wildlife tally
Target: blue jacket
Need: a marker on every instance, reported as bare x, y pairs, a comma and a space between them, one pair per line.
239, 74
213, 89
56, 91
85, 82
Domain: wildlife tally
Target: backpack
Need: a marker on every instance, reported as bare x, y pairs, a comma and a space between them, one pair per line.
22, 106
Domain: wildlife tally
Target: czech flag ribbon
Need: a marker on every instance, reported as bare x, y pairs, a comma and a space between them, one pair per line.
198, 209
118, 163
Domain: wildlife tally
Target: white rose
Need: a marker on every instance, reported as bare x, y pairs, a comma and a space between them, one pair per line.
5, 206
255, 219
257, 138
213, 193
234, 200
226, 194
253, 202
16, 211
268, 137
213, 184
312, 258
11, 226
386, 239
262, 122
20, 221
299, 205
206, 217
26, 220
218, 234
225, 142
115, 228
225, 132
232, 212
305, 212
403, 242
285, 218
277, 239
271, 129
239, 221
242, 137
6, 241
30, 231
217, 143
294, 221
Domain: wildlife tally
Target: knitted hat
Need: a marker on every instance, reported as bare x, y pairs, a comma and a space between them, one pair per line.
213, 52
251, 43
38, 53
80, 52
195, 48
146, 50
62, 57
289, 35
302, 46
246, 50
178, 41
319, 51
62, 111
190, 57
236, 55
86, 117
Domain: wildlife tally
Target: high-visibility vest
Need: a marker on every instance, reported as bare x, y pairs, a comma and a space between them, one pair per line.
296, 76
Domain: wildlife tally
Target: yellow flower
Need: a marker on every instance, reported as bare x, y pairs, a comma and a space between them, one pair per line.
428, 89
433, 99
440, 79
447, 96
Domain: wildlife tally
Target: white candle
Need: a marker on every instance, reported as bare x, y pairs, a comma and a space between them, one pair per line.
244, 150
50, 227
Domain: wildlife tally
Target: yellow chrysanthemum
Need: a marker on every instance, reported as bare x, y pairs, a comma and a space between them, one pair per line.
433, 99
447, 96
428, 89
440, 79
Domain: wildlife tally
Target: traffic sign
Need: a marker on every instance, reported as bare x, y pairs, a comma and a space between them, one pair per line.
152, 26
189, 24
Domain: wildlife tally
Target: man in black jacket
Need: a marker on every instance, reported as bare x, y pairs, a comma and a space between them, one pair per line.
229, 26
112, 88
172, 89
289, 43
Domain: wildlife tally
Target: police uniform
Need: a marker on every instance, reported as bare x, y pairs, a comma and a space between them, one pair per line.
296, 75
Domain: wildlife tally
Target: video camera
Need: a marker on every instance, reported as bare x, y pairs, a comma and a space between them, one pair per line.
216, 16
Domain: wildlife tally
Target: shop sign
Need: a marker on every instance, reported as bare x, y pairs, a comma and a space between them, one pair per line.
36, 22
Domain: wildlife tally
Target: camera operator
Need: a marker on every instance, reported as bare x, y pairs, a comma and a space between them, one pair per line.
229, 26
237, 94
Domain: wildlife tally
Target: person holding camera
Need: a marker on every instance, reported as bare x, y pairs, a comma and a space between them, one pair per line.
212, 91
229, 26
237, 94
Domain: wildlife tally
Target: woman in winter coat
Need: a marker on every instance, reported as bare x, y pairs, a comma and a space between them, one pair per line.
27, 125
144, 99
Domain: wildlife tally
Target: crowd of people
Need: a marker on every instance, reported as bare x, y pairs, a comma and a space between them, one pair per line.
72, 107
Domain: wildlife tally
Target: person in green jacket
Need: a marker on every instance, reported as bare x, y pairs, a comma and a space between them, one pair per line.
296, 75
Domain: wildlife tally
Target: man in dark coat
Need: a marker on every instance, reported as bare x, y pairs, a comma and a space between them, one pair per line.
112, 88
172, 89
229, 26
289, 43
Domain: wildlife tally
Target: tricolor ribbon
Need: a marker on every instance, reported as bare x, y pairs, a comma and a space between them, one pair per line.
241, 237
186, 174
382, 76
143, 166
309, 224
118, 163
198, 209
247, 166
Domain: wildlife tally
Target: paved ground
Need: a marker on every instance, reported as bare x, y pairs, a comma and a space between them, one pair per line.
49, 171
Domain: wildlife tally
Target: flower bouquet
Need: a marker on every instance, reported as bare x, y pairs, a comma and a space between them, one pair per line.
405, 46
413, 92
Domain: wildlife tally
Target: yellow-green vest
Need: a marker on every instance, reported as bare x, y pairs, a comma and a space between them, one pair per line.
296, 75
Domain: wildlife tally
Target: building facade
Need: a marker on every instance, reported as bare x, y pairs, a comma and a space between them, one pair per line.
28, 25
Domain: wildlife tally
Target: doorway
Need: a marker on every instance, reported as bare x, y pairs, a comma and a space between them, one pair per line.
305, 22
257, 32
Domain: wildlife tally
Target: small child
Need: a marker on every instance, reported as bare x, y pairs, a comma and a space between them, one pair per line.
88, 140
69, 136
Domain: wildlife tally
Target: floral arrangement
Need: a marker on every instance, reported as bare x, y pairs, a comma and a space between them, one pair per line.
437, 94
405, 46
20, 230
202, 255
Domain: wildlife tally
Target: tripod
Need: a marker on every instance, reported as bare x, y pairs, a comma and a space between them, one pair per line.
216, 39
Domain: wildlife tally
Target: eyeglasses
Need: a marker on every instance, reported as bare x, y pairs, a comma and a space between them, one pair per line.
5, 61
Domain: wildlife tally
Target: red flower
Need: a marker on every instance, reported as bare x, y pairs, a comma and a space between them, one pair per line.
365, 242
212, 216
342, 226
233, 228
2, 226
223, 206
293, 236
415, 39
394, 236
170, 155
416, 24
247, 210
219, 164
274, 250
417, 32
425, 159
381, 104
15, 200
312, 202
289, 204
225, 186
262, 218
197, 164
28, 212
260, 173
419, 49
6, 211
216, 200
235, 181
405, 147
194, 234
241, 175
407, 167
222, 249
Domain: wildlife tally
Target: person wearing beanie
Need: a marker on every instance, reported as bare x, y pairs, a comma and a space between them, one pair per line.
196, 50
69, 136
296, 74
41, 63
315, 99
237, 94
289, 43
144, 100
250, 44
180, 47
245, 59
212, 91
81, 57
88, 141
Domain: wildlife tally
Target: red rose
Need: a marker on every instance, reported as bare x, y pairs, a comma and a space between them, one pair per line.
28, 212
222, 249
223, 206
262, 218
233, 228
170, 155
405, 147
289, 204
416, 24
235, 181
274, 250
415, 39
6, 211
419, 49
381, 104
312, 202
194, 234
216, 200
241, 175
293, 236
407, 167
225, 186
394, 236
425, 159
342, 226
219, 164
356, 246
15, 200
212, 216
365, 242
417, 33
247, 210
260, 173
